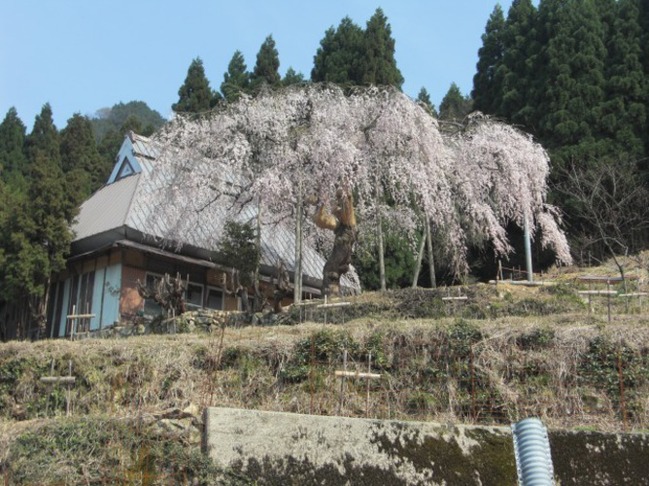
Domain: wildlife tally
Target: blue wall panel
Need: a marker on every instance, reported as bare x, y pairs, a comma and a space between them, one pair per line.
112, 285
97, 291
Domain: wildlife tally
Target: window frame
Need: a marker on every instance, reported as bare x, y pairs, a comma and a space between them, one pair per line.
207, 296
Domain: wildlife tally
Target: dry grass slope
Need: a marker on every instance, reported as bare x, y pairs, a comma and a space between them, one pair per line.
504, 354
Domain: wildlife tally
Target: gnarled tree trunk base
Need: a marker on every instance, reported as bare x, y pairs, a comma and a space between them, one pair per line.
340, 259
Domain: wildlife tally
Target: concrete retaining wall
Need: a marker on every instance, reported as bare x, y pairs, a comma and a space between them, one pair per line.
292, 449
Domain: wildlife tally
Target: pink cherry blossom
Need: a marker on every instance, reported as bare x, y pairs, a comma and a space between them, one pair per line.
375, 142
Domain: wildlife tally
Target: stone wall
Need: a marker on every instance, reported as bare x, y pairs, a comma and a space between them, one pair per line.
284, 448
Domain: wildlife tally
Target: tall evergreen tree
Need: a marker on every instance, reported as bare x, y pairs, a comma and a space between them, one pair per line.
643, 18
21, 260
486, 91
292, 77
236, 79
643, 21
424, 99
454, 106
36, 236
624, 112
13, 163
573, 79
380, 66
266, 71
195, 95
339, 59
515, 75
52, 208
349, 55
80, 159
44, 138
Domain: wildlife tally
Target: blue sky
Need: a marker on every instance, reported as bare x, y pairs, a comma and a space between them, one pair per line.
82, 55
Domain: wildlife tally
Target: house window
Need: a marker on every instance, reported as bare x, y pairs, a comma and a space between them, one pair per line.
151, 308
194, 296
214, 298
125, 170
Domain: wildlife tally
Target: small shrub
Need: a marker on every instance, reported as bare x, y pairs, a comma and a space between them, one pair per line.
294, 373
204, 359
420, 402
540, 338
322, 347
603, 362
461, 337
559, 290
374, 345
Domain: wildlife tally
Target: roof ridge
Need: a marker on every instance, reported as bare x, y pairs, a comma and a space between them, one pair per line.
133, 136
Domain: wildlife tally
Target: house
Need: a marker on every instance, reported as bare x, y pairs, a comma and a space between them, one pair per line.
119, 241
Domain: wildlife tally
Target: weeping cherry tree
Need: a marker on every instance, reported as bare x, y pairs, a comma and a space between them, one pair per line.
355, 157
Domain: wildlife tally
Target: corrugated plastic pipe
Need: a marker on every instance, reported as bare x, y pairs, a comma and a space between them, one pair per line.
532, 449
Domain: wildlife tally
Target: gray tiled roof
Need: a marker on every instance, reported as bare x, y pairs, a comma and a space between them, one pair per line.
131, 202
106, 209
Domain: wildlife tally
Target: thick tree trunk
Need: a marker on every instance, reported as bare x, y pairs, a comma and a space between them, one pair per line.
342, 221
340, 259
242, 293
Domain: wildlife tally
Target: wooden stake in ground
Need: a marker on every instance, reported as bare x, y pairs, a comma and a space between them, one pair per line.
354, 374
68, 381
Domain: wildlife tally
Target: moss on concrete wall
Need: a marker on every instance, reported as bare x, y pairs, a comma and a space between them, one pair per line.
292, 449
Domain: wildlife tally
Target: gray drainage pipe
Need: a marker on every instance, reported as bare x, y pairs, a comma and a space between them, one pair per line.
532, 449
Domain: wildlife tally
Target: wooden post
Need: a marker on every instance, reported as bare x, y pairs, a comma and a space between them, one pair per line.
381, 257
621, 383
472, 370
431, 258
311, 367
367, 395
342, 383
420, 257
68, 396
73, 323
68, 381
73, 320
326, 306
297, 268
356, 374
608, 287
453, 300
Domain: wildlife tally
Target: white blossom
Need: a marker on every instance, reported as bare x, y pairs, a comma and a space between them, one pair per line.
377, 143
